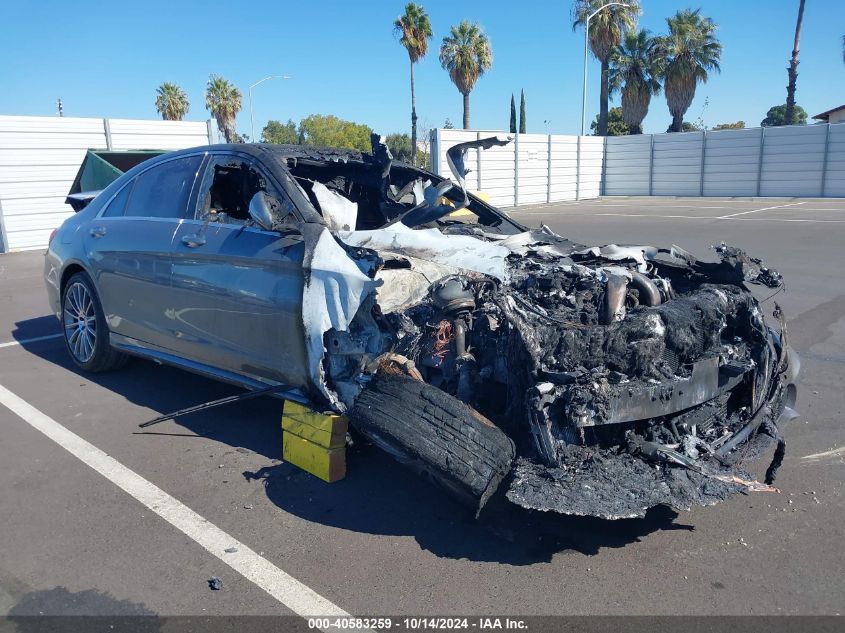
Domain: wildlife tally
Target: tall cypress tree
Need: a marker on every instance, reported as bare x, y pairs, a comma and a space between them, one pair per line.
513, 115
522, 112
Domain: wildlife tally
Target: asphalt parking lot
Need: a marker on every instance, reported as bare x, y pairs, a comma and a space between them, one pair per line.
381, 541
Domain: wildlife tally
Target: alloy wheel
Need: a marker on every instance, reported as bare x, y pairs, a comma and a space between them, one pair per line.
80, 321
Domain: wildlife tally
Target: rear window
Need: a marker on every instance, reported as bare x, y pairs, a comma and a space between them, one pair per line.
163, 191
118, 204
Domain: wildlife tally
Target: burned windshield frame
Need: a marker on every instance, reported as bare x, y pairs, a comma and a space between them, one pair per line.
364, 172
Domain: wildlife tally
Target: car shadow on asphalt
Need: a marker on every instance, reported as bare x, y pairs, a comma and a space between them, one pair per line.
32, 328
252, 424
378, 495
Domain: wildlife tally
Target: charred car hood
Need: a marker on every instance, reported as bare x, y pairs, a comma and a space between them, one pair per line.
605, 343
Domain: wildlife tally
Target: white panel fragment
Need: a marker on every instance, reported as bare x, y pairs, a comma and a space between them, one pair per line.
339, 212
459, 251
334, 289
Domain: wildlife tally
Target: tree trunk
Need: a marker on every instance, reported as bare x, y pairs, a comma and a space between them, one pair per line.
636, 129
223, 127
678, 123
466, 111
605, 68
792, 71
413, 119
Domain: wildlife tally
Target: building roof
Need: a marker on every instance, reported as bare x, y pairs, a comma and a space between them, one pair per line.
824, 116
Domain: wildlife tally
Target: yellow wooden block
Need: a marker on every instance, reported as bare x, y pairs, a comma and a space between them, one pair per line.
322, 421
329, 464
334, 438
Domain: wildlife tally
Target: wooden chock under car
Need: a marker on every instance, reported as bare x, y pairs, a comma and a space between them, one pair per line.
314, 442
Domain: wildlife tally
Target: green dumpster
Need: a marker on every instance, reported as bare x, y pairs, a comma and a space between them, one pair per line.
99, 169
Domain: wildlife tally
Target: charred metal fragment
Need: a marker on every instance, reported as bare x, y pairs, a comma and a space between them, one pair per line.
456, 157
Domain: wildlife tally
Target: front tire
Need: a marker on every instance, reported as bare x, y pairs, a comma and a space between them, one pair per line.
86, 334
436, 435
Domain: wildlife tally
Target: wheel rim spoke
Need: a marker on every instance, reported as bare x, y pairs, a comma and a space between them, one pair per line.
71, 302
77, 295
89, 341
83, 345
74, 342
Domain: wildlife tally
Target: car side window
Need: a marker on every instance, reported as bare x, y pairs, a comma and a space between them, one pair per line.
229, 184
117, 205
163, 191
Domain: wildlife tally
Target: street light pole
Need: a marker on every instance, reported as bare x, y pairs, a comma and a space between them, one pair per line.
586, 46
251, 114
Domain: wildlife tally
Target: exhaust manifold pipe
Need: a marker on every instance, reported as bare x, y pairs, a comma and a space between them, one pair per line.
648, 290
617, 290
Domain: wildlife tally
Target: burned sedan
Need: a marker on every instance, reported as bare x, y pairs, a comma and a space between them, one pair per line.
590, 380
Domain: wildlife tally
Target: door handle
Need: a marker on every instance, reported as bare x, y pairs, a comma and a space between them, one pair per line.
97, 231
193, 241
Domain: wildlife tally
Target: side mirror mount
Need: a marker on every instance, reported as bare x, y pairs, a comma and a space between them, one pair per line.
261, 210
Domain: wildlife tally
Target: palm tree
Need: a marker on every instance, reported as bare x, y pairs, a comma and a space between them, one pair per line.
171, 102
691, 49
223, 100
605, 33
792, 71
635, 66
466, 54
415, 29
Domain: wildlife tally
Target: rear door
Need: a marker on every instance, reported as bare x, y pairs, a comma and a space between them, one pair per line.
237, 289
128, 247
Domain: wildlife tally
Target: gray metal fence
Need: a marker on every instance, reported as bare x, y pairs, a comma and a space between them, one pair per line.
794, 161
39, 158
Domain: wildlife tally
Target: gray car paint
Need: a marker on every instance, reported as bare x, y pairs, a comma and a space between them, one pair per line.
237, 300
229, 308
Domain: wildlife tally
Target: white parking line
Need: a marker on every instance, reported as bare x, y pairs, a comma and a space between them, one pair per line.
30, 340
780, 206
663, 206
836, 452
652, 215
294, 595
837, 208
687, 217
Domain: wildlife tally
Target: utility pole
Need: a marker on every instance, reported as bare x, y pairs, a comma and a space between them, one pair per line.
60, 107
251, 114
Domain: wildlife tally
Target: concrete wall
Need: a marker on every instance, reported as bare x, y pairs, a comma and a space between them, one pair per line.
39, 158
537, 168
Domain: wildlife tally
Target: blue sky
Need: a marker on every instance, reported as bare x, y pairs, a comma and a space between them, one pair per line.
107, 58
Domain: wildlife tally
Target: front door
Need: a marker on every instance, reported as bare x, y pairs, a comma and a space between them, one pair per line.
237, 289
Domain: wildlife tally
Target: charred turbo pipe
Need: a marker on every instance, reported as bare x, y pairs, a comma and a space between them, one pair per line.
460, 329
466, 362
614, 299
648, 290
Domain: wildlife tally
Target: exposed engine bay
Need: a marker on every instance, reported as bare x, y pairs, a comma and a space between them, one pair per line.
625, 376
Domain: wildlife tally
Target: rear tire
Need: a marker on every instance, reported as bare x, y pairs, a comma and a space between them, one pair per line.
86, 334
436, 435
